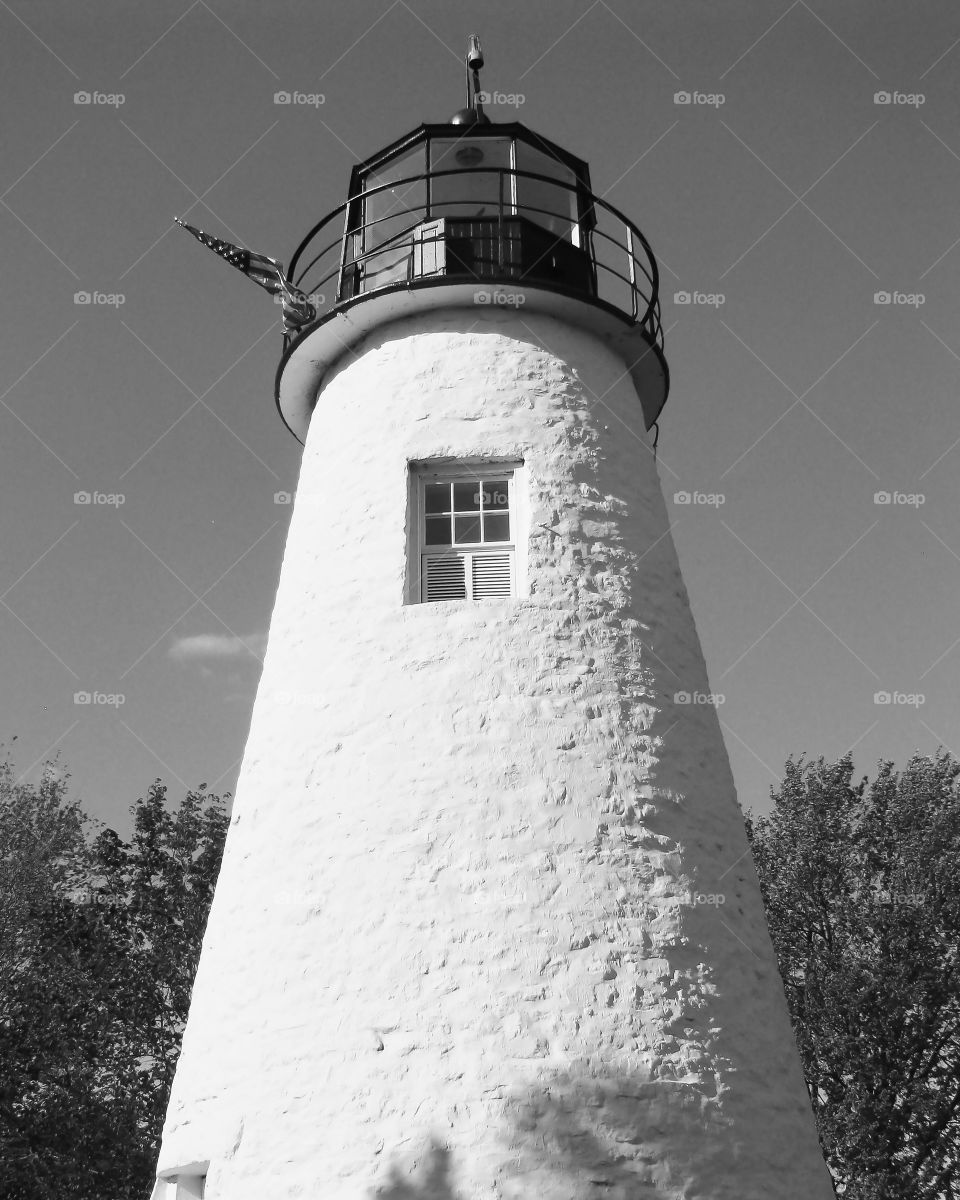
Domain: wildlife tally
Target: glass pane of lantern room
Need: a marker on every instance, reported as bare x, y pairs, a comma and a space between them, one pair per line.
475, 193
555, 208
387, 214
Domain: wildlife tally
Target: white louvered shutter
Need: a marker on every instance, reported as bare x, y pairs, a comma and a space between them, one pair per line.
444, 577
491, 575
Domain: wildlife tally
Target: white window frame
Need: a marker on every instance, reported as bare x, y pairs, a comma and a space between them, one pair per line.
183, 1183
465, 471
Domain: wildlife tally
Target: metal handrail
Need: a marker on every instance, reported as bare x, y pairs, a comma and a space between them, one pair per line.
597, 221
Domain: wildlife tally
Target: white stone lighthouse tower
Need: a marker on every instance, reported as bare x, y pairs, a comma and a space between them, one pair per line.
487, 927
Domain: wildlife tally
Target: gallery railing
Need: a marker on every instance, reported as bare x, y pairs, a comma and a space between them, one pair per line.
572, 242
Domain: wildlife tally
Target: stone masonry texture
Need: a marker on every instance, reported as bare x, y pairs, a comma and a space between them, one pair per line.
468, 941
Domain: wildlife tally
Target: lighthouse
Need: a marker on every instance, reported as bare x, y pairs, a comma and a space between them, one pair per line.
487, 925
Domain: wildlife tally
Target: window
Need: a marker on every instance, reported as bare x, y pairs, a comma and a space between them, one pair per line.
466, 531
180, 1186
465, 197
553, 207
390, 217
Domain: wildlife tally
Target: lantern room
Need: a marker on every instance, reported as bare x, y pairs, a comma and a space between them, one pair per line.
469, 213
482, 202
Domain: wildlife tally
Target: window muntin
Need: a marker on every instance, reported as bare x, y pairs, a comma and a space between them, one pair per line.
466, 512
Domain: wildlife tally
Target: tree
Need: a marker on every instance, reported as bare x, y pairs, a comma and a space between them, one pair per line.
862, 894
42, 838
99, 944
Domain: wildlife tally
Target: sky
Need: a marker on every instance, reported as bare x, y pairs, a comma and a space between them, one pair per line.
795, 167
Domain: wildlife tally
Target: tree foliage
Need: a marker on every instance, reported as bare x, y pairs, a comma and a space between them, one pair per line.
861, 887
100, 939
99, 943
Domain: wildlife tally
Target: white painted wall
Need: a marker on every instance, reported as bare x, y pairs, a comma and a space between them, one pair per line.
453, 947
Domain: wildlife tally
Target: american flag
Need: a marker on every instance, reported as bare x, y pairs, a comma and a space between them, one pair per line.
267, 272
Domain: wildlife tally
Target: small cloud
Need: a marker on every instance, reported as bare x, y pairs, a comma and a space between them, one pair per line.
212, 647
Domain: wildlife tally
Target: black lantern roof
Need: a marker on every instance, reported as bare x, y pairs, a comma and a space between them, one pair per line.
467, 132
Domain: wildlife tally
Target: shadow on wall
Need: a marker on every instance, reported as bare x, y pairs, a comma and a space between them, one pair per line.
431, 1179
567, 1139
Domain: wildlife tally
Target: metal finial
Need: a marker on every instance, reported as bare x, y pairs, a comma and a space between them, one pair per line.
474, 61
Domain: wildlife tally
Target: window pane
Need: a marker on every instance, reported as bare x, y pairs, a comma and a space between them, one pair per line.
496, 528
389, 218
438, 531
495, 494
468, 195
437, 497
466, 496
388, 213
466, 529
553, 207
